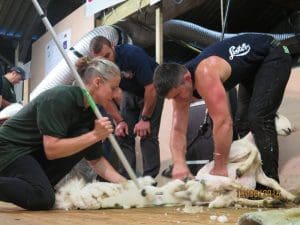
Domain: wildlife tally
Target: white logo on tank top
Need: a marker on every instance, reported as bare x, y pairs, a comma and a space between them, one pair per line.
239, 50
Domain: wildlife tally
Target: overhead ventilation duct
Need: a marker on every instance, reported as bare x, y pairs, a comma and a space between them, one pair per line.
144, 35
175, 29
61, 73
190, 32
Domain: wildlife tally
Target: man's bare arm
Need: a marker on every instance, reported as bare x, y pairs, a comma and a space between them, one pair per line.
209, 85
178, 138
149, 100
143, 128
111, 108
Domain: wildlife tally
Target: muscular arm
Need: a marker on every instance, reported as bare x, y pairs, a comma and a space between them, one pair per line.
208, 81
111, 108
149, 100
104, 169
62, 147
178, 138
142, 128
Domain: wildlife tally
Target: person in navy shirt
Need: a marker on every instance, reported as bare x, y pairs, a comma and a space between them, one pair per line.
140, 108
261, 67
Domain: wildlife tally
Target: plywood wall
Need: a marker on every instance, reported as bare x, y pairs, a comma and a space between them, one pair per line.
79, 25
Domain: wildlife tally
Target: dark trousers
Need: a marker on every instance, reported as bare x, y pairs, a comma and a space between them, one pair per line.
28, 182
131, 109
25, 184
258, 102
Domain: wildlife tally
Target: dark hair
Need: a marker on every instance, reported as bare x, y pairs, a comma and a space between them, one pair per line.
18, 70
97, 43
88, 68
168, 76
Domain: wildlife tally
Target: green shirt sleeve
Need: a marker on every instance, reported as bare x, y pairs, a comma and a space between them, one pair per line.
54, 117
94, 151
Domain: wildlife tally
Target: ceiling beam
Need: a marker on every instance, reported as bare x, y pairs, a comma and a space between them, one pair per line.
13, 14
122, 11
6, 60
33, 24
140, 26
21, 15
5, 11
170, 8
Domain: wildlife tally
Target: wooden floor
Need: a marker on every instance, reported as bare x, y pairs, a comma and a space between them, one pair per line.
12, 215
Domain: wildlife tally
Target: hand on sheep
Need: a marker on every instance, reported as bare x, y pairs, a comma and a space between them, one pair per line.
181, 171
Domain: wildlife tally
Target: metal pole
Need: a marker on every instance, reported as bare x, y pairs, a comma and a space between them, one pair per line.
91, 102
225, 20
159, 35
222, 15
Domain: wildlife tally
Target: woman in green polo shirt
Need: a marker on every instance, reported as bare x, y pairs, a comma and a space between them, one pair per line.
43, 141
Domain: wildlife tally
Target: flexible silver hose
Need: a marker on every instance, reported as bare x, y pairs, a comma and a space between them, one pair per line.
61, 73
190, 32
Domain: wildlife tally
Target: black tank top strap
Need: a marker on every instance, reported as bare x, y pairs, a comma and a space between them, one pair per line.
196, 94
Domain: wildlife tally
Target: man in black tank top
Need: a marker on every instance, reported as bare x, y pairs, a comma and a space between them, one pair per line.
260, 66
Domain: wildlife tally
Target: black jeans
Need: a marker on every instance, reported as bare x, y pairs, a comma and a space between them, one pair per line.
28, 182
258, 102
131, 109
25, 184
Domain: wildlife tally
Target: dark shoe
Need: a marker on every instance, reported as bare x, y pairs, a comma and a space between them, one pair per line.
167, 172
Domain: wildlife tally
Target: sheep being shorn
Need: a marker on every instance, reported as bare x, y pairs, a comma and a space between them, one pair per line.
215, 191
77, 194
245, 171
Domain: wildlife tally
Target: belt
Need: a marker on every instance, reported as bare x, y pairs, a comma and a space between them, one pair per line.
275, 43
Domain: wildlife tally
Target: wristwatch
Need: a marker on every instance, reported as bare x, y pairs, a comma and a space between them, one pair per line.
145, 118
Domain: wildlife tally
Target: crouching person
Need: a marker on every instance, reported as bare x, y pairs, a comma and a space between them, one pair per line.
42, 142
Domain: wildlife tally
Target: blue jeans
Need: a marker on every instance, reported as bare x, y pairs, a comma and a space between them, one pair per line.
258, 102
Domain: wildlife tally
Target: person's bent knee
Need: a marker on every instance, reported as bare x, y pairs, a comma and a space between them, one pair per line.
42, 201
258, 123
